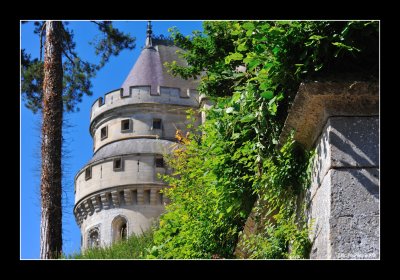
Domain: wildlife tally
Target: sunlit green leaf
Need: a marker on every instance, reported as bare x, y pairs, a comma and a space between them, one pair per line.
247, 118
242, 47
233, 56
236, 96
273, 108
267, 94
235, 32
248, 26
317, 37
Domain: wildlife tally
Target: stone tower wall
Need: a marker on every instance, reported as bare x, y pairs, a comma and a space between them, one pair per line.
172, 117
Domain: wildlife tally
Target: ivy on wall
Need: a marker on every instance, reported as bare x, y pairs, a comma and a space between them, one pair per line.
252, 71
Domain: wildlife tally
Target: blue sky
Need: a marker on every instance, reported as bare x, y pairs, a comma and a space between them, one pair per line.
78, 143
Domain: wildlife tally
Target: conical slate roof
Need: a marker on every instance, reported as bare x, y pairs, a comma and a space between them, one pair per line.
149, 70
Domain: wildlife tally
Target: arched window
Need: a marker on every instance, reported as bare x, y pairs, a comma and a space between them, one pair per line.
122, 232
119, 228
94, 238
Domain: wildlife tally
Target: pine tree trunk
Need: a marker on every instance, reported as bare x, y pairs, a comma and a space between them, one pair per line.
50, 185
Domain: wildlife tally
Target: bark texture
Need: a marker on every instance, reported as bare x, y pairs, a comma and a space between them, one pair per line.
51, 174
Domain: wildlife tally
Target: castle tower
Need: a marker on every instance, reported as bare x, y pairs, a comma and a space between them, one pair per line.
117, 193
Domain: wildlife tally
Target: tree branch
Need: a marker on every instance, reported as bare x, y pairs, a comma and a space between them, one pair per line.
99, 24
66, 55
69, 48
41, 41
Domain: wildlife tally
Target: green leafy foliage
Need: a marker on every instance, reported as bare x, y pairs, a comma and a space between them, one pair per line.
278, 55
252, 70
209, 193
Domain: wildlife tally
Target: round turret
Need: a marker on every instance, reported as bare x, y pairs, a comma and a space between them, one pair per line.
117, 193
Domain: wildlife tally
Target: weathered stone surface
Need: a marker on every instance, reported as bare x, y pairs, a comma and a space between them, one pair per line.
319, 214
104, 177
139, 219
141, 123
360, 189
354, 141
354, 217
104, 201
96, 203
128, 196
356, 237
316, 101
346, 142
344, 214
322, 162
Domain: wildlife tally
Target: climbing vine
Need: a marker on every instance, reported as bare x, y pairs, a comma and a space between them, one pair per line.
280, 210
252, 71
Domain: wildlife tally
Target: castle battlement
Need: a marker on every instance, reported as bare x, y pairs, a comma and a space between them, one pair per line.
187, 97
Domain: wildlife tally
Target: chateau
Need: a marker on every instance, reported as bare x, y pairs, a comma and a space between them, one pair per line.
117, 193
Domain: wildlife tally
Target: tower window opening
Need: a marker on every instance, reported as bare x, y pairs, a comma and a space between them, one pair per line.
159, 161
126, 125
119, 229
122, 198
160, 197
88, 173
146, 196
117, 165
122, 232
104, 133
94, 239
134, 197
156, 123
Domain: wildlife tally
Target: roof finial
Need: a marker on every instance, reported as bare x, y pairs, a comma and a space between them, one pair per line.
149, 43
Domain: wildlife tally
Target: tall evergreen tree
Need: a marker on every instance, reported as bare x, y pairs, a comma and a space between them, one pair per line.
50, 187
54, 87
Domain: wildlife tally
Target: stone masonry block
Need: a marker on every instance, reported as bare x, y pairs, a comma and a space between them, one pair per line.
319, 220
128, 196
354, 141
344, 214
104, 201
354, 218
345, 142
316, 101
